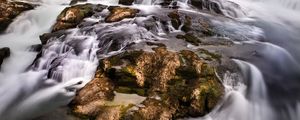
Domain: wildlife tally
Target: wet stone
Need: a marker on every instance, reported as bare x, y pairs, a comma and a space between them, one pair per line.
175, 85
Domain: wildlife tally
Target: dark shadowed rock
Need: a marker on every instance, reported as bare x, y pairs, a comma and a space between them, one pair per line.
126, 2
10, 10
73, 2
4, 53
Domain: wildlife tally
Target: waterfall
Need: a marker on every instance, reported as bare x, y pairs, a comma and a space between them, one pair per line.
290, 4
20, 89
245, 99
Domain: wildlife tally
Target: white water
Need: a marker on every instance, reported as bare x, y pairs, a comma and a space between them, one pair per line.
274, 60
245, 99
282, 12
22, 93
70, 60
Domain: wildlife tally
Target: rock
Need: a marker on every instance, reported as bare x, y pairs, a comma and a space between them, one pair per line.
10, 10
4, 53
46, 36
209, 5
70, 17
152, 110
73, 2
175, 19
126, 2
199, 31
190, 38
93, 96
175, 85
119, 13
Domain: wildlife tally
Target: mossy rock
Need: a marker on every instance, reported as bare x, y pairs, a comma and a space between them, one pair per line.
209, 56
175, 84
9, 10
205, 96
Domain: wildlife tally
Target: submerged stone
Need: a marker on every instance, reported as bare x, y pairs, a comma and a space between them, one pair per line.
4, 53
209, 5
175, 19
126, 2
190, 38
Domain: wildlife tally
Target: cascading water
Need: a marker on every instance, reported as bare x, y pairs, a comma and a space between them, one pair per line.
19, 88
245, 99
22, 33
71, 60
278, 61
268, 90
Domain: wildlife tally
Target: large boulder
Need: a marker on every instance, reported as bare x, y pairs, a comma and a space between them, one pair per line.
169, 84
4, 53
119, 13
70, 17
10, 10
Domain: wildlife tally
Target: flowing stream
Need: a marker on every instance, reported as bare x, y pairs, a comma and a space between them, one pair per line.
268, 90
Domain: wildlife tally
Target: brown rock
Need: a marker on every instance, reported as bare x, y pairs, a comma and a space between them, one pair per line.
119, 13
110, 113
93, 95
175, 84
10, 10
152, 110
70, 17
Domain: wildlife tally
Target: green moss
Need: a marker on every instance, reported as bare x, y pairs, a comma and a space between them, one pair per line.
211, 92
126, 90
187, 72
207, 70
130, 70
130, 90
212, 56
124, 110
